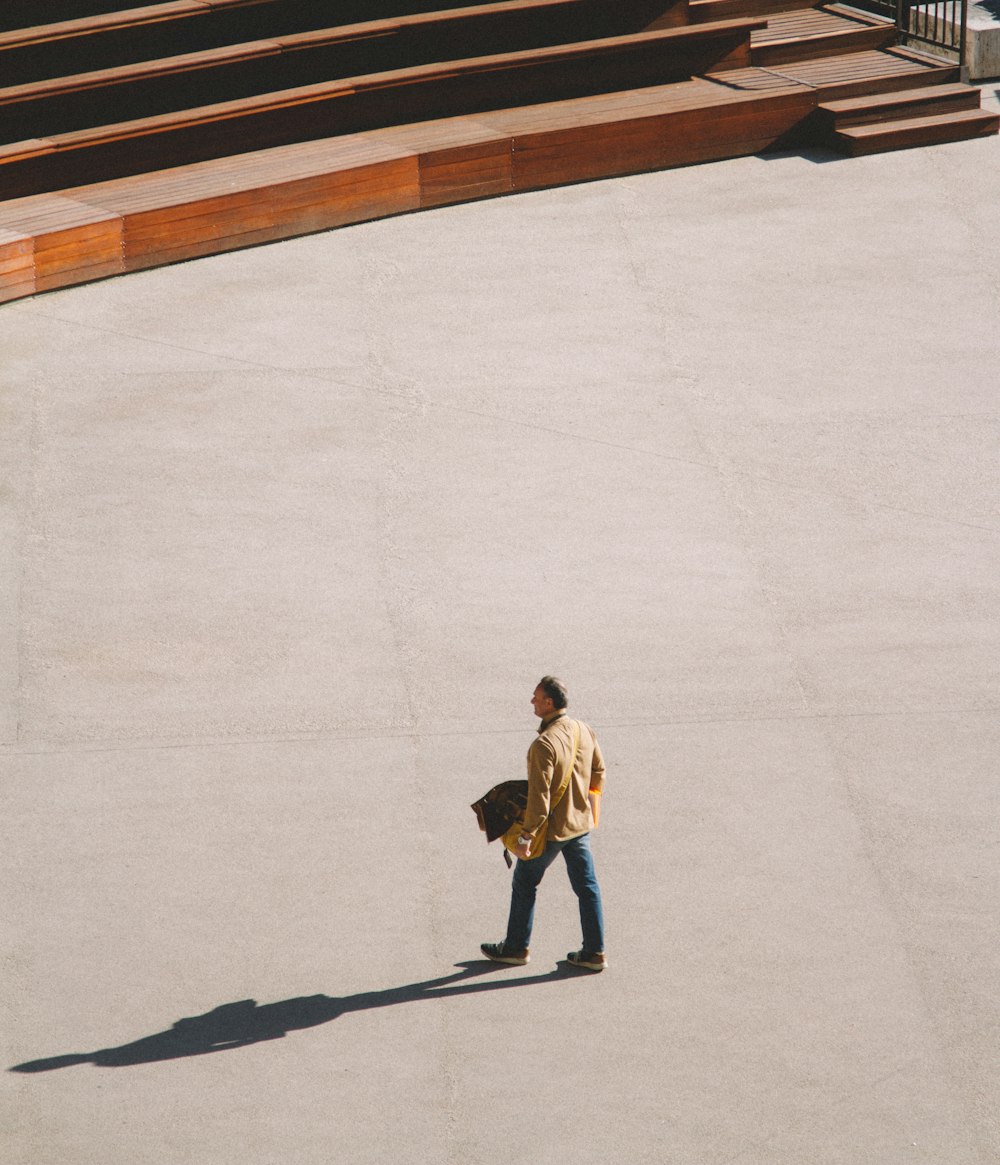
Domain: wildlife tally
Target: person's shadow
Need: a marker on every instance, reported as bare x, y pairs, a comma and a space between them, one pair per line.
235, 1025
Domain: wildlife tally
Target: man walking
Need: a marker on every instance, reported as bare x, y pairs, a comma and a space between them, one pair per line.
565, 782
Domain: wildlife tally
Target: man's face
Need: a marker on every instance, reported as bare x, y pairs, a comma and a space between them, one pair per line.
542, 704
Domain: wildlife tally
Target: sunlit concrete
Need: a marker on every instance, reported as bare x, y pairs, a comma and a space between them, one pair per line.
291, 534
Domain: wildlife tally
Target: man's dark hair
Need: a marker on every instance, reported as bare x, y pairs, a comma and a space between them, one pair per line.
555, 690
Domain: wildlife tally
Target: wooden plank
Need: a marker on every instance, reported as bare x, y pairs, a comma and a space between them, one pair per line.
585, 152
614, 109
467, 172
809, 22
911, 54
210, 226
460, 159
16, 252
919, 131
93, 251
753, 80
852, 13
17, 265
872, 108
847, 41
30, 148
68, 236
879, 103
866, 64
241, 181
44, 33
51, 212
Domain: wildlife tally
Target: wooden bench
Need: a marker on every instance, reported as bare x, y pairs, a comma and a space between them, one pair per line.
148, 88
370, 102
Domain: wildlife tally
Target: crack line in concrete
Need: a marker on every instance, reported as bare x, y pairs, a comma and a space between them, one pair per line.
9, 751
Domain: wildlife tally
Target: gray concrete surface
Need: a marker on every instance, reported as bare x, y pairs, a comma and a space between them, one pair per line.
982, 39
291, 534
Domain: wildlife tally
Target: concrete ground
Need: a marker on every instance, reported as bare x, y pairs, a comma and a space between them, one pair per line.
293, 532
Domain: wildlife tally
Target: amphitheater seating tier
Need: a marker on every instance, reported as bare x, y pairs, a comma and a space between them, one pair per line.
131, 137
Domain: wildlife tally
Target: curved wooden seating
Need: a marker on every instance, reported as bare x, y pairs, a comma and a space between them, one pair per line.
168, 84
373, 101
270, 123
90, 232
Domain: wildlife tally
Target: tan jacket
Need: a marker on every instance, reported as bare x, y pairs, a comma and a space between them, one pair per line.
548, 759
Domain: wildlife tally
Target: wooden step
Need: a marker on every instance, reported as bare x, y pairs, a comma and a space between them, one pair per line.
848, 75
816, 32
917, 131
853, 13
923, 102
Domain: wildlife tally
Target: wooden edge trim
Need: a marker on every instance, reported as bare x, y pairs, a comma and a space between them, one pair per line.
92, 25
136, 72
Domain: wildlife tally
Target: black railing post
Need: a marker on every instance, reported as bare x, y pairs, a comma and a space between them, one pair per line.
903, 19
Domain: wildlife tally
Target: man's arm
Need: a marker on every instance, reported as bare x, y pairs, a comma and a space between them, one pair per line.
596, 783
541, 768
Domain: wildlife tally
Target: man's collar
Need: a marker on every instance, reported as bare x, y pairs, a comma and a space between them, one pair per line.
551, 720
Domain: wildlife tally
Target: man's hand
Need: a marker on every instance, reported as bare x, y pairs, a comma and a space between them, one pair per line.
523, 846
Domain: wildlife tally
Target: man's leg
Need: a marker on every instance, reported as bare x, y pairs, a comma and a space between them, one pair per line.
580, 867
523, 889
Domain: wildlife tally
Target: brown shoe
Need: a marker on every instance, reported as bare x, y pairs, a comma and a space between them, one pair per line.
589, 960
500, 953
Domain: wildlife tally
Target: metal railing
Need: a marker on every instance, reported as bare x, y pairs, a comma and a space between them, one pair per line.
935, 26
938, 25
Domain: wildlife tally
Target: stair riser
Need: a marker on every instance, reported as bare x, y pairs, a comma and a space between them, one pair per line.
891, 112
911, 139
836, 44
890, 84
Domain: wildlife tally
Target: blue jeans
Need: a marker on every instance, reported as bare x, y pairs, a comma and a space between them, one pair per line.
527, 876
